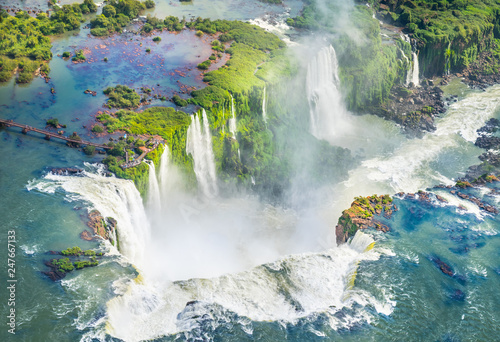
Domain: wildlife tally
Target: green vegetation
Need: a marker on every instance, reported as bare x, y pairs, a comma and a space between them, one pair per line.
170, 23
463, 184
179, 101
204, 65
54, 123
149, 3
75, 251
79, 56
74, 136
97, 129
63, 265
157, 39
122, 96
24, 41
166, 122
360, 214
89, 150
66, 265
116, 15
368, 69
450, 34
66, 54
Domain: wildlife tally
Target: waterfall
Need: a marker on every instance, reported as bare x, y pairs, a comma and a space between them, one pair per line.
415, 71
326, 109
232, 124
154, 202
113, 197
409, 71
412, 75
199, 144
264, 114
447, 62
163, 175
232, 120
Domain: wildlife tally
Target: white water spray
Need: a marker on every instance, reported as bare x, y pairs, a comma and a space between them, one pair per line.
328, 116
199, 144
455, 131
264, 114
232, 120
164, 174
154, 201
415, 72
113, 197
232, 124
307, 284
409, 71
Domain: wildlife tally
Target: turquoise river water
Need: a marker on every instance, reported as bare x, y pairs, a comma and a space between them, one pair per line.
238, 269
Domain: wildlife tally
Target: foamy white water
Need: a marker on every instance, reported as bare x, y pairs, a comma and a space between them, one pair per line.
264, 105
199, 145
154, 201
410, 69
113, 197
228, 239
164, 175
416, 70
307, 284
409, 167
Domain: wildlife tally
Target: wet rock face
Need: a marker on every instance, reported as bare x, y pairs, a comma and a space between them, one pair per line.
488, 139
414, 109
104, 228
65, 171
361, 216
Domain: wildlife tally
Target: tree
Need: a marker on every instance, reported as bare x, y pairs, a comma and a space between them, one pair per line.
109, 11
90, 5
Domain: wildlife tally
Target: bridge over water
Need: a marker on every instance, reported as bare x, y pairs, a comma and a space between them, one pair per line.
48, 134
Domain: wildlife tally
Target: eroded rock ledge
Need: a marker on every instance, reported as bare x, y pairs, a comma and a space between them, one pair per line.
413, 109
104, 228
361, 216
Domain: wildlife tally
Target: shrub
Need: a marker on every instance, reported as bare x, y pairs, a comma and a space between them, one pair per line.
109, 11
63, 265
79, 56
89, 150
97, 129
53, 123
99, 31
66, 54
72, 251
148, 50
199, 33
156, 39
204, 65
122, 97
149, 3
179, 101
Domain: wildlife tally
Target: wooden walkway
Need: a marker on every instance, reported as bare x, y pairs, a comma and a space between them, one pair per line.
48, 135
141, 157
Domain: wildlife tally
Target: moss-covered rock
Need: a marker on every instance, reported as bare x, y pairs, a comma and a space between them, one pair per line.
361, 216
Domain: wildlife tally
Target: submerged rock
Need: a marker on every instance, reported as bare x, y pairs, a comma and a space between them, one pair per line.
444, 267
